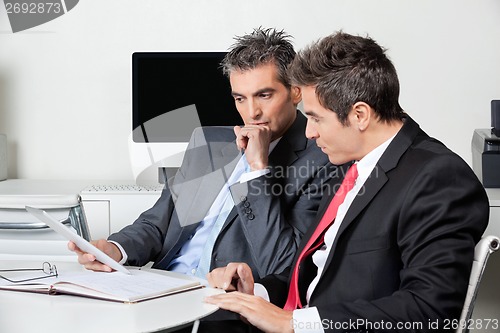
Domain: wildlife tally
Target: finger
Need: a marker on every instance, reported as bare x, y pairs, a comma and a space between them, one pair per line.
260, 313
255, 129
226, 305
97, 267
246, 278
240, 141
72, 247
242, 273
235, 302
214, 277
89, 257
85, 258
89, 262
235, 297
258, 135
230, 274
237, 130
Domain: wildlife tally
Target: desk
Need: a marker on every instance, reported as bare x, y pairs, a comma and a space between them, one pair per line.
22, 312
487, 303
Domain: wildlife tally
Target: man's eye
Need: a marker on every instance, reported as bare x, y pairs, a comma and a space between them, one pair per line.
266, 96
238, 99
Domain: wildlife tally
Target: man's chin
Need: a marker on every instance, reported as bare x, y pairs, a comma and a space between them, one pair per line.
334, 159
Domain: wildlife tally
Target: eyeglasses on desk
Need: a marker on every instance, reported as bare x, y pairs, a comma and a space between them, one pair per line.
48, 269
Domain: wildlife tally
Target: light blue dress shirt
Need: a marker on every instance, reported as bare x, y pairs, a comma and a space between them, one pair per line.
188, 258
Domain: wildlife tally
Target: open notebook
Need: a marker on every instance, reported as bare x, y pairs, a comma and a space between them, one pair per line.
123, 285
137, 286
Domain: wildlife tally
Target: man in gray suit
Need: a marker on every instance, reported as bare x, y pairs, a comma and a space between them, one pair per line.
241, 194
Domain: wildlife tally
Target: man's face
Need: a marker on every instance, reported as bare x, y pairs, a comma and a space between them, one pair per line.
261, 99
342, 143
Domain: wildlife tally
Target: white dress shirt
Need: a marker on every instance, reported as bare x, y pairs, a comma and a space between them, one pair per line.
308, 319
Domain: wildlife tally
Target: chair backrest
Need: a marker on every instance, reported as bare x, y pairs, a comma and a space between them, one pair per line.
486, 246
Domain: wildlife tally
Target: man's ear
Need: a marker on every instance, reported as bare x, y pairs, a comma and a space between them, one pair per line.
362, 114
296, 95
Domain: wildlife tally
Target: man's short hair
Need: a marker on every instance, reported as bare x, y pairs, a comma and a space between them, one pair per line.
262, 46
347, 69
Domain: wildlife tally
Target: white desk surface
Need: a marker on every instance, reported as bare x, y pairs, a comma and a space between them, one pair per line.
23, 312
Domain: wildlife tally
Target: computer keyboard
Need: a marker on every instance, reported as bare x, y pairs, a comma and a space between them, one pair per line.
125, 188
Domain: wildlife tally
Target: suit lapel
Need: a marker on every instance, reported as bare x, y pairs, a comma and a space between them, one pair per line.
373, 184
222, 164
230, 157
189, 207
198, 194
294, 141
284, 154
377, 179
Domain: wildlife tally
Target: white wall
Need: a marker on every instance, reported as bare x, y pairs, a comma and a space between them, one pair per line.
65, 86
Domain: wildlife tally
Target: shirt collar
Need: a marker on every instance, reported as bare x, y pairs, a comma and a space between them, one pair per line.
367, 163
273, 144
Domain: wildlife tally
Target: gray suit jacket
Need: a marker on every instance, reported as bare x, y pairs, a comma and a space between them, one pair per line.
271, 212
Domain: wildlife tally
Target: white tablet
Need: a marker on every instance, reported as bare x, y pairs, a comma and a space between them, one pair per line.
79, 241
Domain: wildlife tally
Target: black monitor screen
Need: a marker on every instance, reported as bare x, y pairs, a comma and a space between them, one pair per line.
175, 92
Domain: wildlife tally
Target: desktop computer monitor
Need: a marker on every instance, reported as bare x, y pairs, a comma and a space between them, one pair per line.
189, 83
172, 94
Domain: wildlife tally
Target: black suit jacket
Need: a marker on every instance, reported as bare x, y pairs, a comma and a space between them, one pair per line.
404, 251
271, 214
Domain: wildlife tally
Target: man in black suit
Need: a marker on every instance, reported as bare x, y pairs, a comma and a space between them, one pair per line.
275, 185
397, 254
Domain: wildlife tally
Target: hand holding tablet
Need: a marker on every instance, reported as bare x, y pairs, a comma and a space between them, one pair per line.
83, 244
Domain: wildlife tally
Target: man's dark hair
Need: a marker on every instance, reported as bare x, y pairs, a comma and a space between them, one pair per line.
262, 46
346, 69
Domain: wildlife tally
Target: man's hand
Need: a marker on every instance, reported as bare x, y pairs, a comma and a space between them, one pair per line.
89, 261
255, 140
257, 311
235, 276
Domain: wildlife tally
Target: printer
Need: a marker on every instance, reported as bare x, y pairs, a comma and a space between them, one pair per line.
486, 150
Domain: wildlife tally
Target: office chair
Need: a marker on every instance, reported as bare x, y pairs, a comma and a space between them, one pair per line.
486, 246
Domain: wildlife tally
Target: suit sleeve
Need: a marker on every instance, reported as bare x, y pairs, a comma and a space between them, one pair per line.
443, 214
143, 240
277, 287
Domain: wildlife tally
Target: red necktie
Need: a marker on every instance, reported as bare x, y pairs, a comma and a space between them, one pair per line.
316, 240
